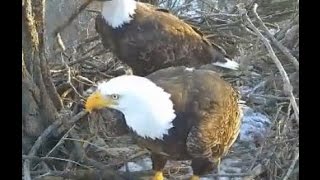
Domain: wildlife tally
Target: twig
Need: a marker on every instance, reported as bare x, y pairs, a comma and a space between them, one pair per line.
131, 158
121, 175
256, 171
277, 14
72, 17
248, 30
256, 156
83, 174
92, 144
91, 49
43, 137
77, 117
93, 11
72, 156
287, 85
261, 84
88, 40
282, 32
271, 97
174, 173
60, 141
230, 175
38, 172
216, 14
82, 82
53, 158
69, 78
94, 163
85, 79
291, 168
285, 121
80, 44
282, 48
57, 71
37, 144
138, 154
60, 42
86, 58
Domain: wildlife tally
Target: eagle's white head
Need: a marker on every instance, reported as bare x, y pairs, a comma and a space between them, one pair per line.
147, 108
118, 12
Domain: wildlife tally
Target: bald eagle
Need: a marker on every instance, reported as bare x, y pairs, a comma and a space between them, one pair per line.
148, 38
176, 113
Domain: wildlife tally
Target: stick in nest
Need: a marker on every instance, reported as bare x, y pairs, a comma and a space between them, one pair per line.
41, 139
282, 48
60, 141
54, 158
291, 168
69, 81
44, 137
92, 144
287, 85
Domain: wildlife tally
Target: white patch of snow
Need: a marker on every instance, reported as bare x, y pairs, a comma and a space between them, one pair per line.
205, 178
190, 11
254, 124
274, 31
139, 165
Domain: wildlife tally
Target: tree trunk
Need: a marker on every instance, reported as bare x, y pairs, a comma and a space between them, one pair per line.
40, 101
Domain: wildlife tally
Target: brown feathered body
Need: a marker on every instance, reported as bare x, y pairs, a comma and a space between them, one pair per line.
156, 39
207, 122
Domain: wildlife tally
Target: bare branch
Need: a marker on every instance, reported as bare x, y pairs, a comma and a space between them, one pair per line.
86, 58
92, 144
282, 32
53, 158
282, 48
291, 168
69, 81
287, 85
256, 171
60, 42
41, 139
60, 141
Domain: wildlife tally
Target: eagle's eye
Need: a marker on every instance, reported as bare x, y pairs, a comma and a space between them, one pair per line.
114, 96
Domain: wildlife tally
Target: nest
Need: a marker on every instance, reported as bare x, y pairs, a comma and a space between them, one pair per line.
87, 145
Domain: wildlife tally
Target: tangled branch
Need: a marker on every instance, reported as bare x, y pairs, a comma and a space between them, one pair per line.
43, 138
287, 85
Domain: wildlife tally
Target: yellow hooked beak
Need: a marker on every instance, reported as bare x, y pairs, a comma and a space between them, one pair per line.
97, 101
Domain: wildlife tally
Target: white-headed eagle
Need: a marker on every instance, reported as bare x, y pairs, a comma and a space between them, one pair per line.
148, 38
176, 113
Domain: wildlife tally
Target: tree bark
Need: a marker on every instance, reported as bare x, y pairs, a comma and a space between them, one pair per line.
40, 101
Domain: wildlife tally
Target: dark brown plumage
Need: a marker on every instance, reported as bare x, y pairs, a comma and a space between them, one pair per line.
208, 116
156, 39
207, 119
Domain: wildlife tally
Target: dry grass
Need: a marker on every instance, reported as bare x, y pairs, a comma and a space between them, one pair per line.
274, 157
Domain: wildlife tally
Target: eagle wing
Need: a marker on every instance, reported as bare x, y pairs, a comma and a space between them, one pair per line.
212, 103
156, 39
220, 124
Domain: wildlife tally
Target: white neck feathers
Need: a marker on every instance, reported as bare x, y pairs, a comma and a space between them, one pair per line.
118, 12
147, 108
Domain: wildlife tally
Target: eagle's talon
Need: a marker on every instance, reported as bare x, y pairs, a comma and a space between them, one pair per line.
194, 177
158, 176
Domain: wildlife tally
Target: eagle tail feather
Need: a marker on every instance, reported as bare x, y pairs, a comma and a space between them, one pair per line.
227, 63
